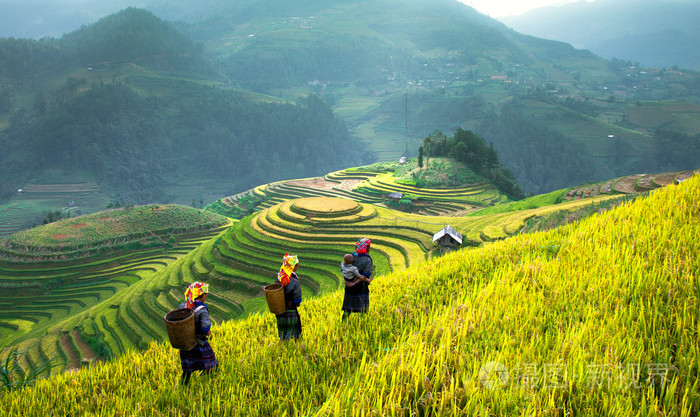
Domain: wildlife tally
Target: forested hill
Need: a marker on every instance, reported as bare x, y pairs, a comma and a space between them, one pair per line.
131, 36
136, 36
126, 101
659, 33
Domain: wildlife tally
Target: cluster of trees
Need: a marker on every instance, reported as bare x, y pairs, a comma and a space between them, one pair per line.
467, 147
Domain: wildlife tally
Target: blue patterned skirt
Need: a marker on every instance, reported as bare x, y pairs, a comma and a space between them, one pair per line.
201, 358
289, 325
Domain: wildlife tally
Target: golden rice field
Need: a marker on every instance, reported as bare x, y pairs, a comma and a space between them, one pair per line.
599, 317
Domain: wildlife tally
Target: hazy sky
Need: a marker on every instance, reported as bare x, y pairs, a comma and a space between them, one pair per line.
499, 8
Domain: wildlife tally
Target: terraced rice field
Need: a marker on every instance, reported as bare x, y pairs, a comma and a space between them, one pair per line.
84, 311
29, 207
108, 306
321, 229
12, 219
372, 187
83, 288
630, 184
596, 318
473, 195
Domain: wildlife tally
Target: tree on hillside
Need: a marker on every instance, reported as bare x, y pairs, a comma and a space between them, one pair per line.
420, 157
467, 147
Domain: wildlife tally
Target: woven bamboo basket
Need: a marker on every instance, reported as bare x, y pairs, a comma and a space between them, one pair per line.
274, 294
181, 328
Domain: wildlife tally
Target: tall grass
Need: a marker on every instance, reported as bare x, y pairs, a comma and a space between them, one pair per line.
599, 317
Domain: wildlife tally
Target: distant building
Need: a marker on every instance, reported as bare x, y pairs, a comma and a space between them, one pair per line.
448, 239
395, 196
402, 160
498, 77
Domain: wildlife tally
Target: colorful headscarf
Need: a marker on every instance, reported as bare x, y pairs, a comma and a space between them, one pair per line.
362, 245
194, 291
288, 264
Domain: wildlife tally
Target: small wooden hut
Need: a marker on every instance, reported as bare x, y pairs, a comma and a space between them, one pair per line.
395, 196
448, 239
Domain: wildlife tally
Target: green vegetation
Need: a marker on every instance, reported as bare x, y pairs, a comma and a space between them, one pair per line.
590, 318
394, 72
136, 107
560, 218
95, 286
14, 377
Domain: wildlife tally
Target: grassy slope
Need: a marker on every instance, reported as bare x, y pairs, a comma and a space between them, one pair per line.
618, 289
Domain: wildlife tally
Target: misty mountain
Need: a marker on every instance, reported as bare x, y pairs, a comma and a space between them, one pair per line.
276, 43
35, 19
131, 36
125, 101
392, 72
656, 33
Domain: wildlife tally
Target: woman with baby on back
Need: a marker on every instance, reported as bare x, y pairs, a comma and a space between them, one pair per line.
357, 269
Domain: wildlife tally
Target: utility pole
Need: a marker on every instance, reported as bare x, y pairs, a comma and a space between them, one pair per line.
406, 119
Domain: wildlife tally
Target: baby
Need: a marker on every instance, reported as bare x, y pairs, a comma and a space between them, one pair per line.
350, 273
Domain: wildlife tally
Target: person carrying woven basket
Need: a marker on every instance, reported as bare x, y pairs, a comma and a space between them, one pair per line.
201, 357
289, 322
356, 299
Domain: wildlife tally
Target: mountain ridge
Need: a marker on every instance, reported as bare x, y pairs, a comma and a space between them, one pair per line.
630, 30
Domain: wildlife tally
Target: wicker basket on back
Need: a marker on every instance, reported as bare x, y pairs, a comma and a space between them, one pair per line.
181, 328
274, 294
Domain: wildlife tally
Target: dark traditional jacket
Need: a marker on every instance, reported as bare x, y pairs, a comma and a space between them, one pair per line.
292, 292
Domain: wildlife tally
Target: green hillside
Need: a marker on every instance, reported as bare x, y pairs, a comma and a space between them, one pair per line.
595, 318
396, 71
93, 286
